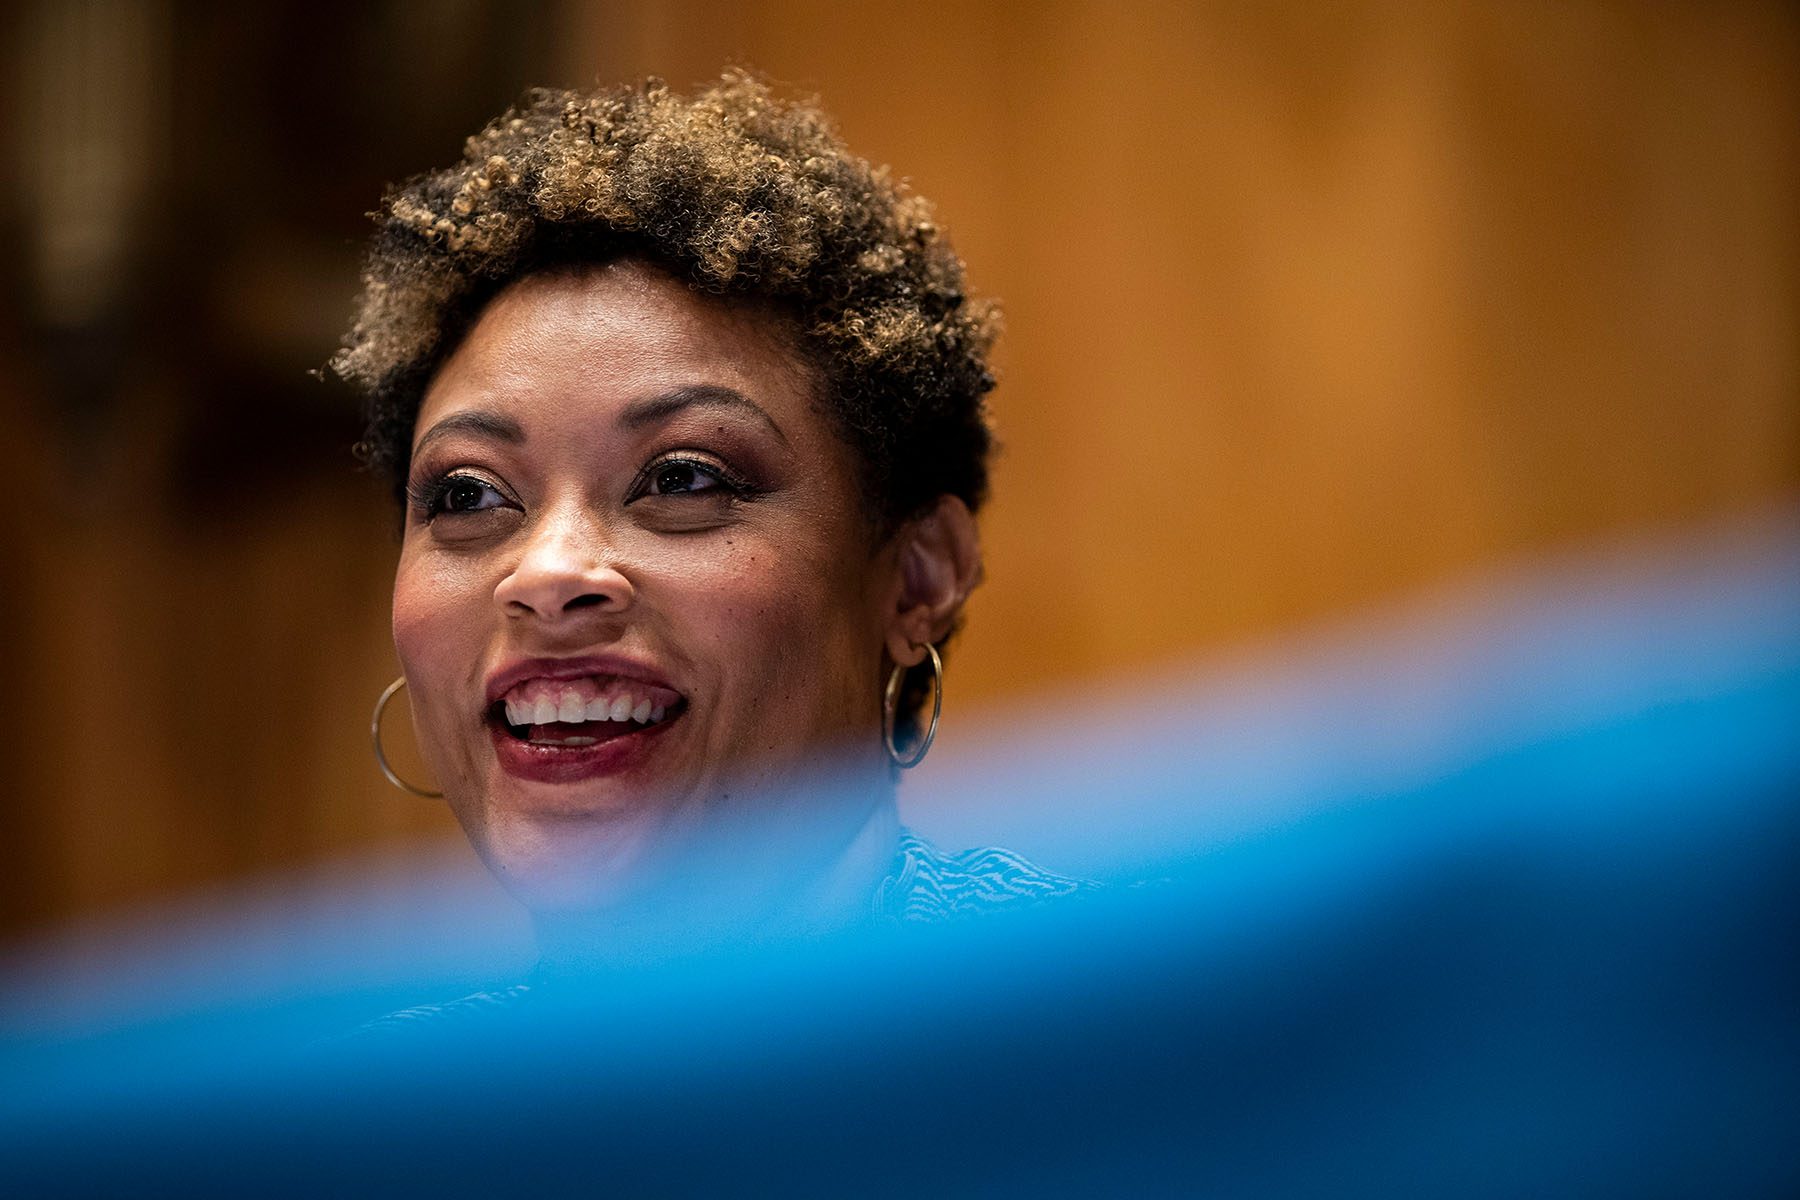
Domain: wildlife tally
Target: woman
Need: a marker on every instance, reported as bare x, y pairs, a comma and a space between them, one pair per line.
683, 404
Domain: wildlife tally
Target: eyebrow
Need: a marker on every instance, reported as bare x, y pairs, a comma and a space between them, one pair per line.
652, 409
482, 424
637, 414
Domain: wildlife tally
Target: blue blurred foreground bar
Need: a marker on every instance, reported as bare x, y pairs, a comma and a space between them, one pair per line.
1562, 961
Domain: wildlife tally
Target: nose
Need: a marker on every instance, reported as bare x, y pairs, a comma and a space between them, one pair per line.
563, 573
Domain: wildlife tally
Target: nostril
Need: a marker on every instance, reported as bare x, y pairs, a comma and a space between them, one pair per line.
550, 590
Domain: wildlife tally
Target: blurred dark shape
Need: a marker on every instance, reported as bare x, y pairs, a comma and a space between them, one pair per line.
192, 179
1562, 965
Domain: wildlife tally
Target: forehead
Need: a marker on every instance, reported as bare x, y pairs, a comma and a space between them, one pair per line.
609, 334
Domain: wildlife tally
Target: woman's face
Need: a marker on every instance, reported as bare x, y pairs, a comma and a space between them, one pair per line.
635, 579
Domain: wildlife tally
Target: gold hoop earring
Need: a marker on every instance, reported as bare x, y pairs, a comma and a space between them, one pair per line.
393, 777
890, 706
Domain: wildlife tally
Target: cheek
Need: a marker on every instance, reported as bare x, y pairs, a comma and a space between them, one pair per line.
441, 618
787, 624
418, 607
437, 610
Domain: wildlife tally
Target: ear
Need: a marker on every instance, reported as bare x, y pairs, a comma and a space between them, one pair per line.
938, 557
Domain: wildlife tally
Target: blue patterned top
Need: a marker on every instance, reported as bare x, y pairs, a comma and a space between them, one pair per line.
924, 886
927, 885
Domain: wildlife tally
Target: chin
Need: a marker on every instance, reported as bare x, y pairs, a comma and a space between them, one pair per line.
567, 862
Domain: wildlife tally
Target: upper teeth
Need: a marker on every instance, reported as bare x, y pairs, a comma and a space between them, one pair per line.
570, 709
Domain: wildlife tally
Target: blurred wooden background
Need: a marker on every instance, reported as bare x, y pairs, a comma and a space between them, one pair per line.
1309, 305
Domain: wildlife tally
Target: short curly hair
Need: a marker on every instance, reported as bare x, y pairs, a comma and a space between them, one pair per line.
740, 194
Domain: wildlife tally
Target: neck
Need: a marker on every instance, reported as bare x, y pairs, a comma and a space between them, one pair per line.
795, 873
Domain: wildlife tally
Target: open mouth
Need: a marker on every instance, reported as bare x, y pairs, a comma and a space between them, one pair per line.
574, 714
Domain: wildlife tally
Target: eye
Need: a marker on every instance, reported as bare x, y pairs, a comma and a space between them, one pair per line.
457, 494
679, 475
689, 477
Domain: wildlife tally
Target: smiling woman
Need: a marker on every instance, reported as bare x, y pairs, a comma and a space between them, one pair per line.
623, 501
685, 406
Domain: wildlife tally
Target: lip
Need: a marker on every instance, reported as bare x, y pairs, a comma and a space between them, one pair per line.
571, 764
519, 670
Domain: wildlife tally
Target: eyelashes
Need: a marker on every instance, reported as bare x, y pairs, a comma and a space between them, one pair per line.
454, 492
684, 475
679, 477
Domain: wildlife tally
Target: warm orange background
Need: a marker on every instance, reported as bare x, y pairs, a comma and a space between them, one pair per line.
1308, 305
